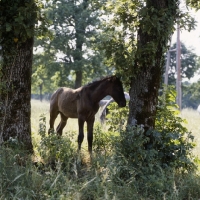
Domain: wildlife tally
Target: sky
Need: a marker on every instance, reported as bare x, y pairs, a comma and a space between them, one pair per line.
191, 39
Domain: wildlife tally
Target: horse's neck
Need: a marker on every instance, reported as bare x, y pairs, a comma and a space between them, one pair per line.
101, 91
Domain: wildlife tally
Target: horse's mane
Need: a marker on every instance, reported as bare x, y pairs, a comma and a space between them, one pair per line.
96, 82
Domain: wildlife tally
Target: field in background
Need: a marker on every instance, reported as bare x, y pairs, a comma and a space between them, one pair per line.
39, 108
42, 108
193, 125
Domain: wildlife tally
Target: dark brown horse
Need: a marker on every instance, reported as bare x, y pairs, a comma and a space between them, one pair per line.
83, 103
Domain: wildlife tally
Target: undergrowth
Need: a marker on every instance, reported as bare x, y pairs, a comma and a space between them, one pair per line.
121, 166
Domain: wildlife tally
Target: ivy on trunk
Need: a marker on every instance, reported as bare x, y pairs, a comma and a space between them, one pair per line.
157, 20
17, 29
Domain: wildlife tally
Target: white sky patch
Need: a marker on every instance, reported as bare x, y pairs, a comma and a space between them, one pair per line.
191, 39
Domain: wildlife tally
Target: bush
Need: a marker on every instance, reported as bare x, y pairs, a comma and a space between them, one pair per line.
171, 143
150, 166
55, 149
171, 139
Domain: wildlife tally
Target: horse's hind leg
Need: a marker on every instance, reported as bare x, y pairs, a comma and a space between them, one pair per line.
62, 124
90, 124
53, 116
81, 121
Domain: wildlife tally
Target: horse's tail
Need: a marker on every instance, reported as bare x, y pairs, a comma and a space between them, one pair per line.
54, 98
56, 94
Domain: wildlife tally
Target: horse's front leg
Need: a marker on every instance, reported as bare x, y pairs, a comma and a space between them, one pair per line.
81, 131
90, 124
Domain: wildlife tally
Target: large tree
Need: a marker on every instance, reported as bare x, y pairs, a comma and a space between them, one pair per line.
74, 34
156, 26
17, 23
136, 42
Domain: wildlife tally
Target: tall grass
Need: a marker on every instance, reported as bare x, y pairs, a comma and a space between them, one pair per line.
105, 177
193, 124
42, 108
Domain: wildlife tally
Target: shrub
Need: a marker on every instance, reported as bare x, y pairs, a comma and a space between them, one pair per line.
171, 143
151, 170
54, 149
171, 138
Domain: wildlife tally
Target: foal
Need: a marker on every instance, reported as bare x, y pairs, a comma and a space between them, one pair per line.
83, 103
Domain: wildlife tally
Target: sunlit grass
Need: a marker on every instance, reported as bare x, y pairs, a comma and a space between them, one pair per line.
42, 108
193, 125
99, 178
38, 109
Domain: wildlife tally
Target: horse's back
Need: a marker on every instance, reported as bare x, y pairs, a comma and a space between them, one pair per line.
64, 100
54, 99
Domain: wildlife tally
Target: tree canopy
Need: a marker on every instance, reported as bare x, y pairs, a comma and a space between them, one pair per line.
74, 30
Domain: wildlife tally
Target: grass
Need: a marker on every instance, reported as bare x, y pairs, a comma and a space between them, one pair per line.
193, 124
42, 108
39, 109
102, 178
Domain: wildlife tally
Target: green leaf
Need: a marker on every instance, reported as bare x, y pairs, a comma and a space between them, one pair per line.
8, 27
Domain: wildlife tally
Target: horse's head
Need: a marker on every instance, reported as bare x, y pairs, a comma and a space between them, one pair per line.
116, 91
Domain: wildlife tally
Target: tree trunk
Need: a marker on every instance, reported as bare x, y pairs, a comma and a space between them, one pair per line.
145, 84
41, 97
78, 81
15, 106
80, 27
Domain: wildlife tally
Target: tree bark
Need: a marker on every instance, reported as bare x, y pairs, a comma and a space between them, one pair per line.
78, 80
41, 96
15, 95
146, 83
80, 27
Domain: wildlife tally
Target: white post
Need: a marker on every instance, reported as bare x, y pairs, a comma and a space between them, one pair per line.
167, 68
178, 68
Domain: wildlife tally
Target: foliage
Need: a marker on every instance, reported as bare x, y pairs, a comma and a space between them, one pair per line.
189, 64
169, 145
121, 32
72, 47
194, 4
47, 75
118, 38
191, 91
171, 138
18, 20
191, 95
102, 140
116, 118
54, 149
